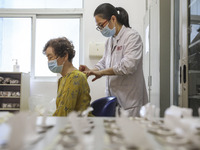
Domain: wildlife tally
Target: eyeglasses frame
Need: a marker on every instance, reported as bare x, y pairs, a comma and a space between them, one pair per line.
101, 26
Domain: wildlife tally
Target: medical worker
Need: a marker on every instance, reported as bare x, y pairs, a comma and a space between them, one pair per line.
122, 59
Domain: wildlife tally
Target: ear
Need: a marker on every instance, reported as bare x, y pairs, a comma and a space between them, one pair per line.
113, 18
66, 57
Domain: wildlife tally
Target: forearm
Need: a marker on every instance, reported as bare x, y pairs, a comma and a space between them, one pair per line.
98, 74
94, 69
108, 71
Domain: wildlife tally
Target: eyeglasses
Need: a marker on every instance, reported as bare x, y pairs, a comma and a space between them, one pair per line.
101, 26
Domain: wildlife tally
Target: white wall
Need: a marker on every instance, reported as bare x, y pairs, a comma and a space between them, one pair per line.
136, 10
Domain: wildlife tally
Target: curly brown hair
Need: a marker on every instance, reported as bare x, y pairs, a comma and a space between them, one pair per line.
61, 46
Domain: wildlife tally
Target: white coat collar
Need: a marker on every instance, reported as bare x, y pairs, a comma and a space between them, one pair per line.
118, 36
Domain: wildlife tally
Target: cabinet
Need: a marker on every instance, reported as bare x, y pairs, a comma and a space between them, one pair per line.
14, 91
190, 54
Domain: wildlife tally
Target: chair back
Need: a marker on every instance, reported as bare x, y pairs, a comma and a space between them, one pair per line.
104, 107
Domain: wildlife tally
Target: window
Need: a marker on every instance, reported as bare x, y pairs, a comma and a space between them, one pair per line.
24, 32
19, 4
53, 28
15, 43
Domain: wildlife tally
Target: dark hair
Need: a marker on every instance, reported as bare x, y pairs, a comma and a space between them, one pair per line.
61, 46
106, 11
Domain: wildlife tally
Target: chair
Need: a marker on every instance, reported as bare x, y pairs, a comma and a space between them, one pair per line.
104, 107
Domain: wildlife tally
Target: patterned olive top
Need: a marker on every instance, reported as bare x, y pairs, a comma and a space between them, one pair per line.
73, 93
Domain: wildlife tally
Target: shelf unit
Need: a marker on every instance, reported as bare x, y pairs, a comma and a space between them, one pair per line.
9, 100
190, 54
194, 51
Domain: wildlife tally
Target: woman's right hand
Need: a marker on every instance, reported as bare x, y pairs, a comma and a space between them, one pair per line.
97, 74
83, 68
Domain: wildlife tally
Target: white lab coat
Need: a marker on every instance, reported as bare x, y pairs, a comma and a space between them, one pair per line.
124, 53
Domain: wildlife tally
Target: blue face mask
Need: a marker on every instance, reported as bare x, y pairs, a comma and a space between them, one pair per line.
107, 32
53, 66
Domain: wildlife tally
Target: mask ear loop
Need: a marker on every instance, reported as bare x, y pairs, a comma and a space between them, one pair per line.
57, 61
64, 59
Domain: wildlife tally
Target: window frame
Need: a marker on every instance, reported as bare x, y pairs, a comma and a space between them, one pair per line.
49, 14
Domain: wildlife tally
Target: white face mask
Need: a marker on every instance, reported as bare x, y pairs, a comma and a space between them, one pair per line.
53, 66
107, 32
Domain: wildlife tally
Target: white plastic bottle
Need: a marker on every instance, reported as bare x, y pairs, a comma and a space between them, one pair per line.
15, 66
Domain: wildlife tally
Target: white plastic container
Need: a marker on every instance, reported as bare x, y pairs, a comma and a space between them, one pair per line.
16, 66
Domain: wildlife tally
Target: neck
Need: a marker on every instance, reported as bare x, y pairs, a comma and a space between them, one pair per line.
67, 68
118, 28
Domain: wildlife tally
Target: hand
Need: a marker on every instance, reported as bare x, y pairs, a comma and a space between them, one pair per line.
97, 74
83, 68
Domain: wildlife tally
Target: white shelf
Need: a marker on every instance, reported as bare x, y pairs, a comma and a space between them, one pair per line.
194, 19
195, 97
10, 84
9, 109
194, 71
193, 44
9, 96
